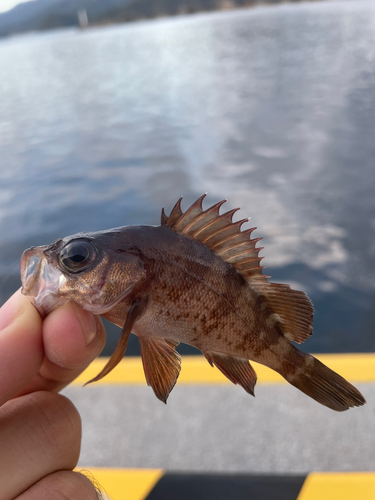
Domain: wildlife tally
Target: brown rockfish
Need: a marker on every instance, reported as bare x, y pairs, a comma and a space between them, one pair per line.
195, 279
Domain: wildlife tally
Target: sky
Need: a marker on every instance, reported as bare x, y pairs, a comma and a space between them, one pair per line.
9, 4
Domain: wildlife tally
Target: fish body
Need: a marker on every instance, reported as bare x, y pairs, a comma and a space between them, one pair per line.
195, 279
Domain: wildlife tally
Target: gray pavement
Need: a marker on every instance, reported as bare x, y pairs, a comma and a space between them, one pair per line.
221, 428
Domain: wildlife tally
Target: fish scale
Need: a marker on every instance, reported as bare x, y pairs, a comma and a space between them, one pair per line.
196, 279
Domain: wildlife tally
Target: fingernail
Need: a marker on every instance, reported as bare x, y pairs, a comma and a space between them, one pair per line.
10, 310
88, 323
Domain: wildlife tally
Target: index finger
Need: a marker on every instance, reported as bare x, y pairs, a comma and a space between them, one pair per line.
21, 345
72, 338
40, 355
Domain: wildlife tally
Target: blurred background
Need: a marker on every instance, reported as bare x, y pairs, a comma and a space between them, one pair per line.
271, 107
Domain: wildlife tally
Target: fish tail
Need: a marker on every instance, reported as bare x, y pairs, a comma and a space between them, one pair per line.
325, 386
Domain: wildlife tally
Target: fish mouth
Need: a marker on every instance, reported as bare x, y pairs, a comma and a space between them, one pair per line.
41, 281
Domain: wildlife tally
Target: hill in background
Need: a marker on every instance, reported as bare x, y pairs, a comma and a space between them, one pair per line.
50, 14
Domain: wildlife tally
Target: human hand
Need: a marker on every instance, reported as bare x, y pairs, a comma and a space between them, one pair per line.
40, 430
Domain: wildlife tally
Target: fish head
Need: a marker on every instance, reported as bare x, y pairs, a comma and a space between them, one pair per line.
95, 270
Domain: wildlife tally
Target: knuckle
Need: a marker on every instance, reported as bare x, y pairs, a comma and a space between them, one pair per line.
59, 426
72, 486
62, 485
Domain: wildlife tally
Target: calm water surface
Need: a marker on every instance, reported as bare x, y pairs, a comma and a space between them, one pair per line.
272, 108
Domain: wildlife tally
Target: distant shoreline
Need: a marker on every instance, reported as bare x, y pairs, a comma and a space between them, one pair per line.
48, 18
226, 5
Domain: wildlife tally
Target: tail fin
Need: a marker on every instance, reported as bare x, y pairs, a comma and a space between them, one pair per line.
326, 386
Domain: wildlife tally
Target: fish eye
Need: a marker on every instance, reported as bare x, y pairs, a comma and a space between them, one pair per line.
77, 255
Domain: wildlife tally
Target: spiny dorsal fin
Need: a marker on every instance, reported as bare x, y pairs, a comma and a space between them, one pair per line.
173, 216
237, 370
161, 364
293, 309
164, 218
220, 234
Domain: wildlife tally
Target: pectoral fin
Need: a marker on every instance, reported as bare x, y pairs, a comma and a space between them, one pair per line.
137, 309
237, 370
161, 363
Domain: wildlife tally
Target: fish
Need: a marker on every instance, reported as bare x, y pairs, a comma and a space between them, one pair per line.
196, 279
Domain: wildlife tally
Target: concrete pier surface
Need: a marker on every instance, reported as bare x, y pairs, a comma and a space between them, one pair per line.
212, 426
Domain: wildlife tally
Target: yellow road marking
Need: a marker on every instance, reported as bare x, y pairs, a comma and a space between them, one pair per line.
336, 485
196, 370
121, 484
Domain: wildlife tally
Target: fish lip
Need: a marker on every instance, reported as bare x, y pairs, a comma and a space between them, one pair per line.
29, 270
41, 281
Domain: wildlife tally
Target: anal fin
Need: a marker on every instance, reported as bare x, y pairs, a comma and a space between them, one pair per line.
161, 363
237, 370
